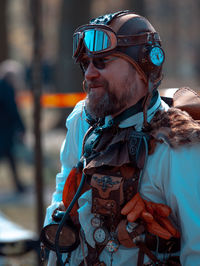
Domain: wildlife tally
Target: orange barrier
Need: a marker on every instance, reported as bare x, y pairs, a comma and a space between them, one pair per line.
51, 100
61, 99
66, 100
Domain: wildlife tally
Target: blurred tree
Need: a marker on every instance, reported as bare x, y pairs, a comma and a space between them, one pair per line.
73, 13
68, 76
138, 6
3, 31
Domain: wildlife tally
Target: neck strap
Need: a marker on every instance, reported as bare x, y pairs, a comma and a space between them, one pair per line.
136, 108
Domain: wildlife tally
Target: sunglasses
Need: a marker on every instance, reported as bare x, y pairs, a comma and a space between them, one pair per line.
100, 39
99, 63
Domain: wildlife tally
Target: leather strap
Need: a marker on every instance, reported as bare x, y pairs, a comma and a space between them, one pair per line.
144, 38
162, 245
144, 250
93, 256
134, 109
140, 260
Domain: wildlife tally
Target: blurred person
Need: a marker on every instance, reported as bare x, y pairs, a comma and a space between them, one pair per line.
47, 75
14, 73
140, 202
12, 128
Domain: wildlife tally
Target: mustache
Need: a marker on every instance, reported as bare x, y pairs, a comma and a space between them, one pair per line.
94, 84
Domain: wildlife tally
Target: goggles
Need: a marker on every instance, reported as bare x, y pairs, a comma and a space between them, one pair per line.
99, 39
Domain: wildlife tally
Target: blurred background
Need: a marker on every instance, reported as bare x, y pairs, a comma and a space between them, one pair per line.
36, 66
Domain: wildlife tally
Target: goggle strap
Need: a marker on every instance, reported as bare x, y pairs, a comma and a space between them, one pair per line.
146, 38
132, 62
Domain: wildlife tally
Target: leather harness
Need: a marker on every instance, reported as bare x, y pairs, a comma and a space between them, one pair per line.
114, 181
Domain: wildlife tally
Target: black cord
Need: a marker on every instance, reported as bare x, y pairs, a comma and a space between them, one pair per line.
66, 215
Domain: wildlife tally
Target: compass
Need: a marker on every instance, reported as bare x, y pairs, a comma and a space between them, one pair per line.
157, 55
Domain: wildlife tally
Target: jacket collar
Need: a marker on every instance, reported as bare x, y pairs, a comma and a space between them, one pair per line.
136, 120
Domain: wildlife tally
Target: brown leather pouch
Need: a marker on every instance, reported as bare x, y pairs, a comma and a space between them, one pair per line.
107, 194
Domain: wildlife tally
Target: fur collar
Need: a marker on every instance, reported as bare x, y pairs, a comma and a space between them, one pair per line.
175, 127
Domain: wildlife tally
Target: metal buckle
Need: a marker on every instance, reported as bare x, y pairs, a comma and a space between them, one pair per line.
153, 37
149, 38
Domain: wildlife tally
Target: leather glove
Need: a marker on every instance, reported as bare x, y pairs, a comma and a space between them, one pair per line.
153, 214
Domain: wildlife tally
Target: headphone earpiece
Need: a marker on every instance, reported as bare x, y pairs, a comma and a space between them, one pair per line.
151, 59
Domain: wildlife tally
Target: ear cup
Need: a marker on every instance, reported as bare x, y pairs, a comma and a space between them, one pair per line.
151, 59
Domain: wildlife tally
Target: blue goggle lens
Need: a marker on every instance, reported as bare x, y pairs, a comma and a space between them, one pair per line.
95, 40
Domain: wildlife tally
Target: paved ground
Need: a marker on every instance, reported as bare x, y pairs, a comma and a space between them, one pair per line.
21, 207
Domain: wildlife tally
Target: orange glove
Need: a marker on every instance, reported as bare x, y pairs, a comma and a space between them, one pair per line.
70, 188
153, 214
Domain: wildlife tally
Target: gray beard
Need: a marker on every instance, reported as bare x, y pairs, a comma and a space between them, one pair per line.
108, 104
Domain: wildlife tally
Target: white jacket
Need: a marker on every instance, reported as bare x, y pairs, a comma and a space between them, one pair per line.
171, 177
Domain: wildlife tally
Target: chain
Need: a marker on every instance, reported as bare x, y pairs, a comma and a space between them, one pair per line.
111, 258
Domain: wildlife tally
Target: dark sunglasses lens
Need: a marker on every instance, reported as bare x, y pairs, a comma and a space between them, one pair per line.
99, 63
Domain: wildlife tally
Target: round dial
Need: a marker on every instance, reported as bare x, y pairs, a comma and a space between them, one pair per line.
100, 235
96, 221
157, 55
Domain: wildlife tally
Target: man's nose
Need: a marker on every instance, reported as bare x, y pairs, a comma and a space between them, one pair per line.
91, 72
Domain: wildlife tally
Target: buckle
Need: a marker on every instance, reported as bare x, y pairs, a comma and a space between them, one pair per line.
156, 37
150, 38
153, 37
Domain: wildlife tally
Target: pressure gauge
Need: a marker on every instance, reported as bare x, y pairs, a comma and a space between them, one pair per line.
100, 235
157, 56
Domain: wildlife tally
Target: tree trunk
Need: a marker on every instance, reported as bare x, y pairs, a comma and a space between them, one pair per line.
73, 14
3, 31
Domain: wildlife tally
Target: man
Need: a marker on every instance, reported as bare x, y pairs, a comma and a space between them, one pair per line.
139, 158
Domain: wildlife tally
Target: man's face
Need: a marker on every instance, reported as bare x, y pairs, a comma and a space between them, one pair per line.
112, 85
